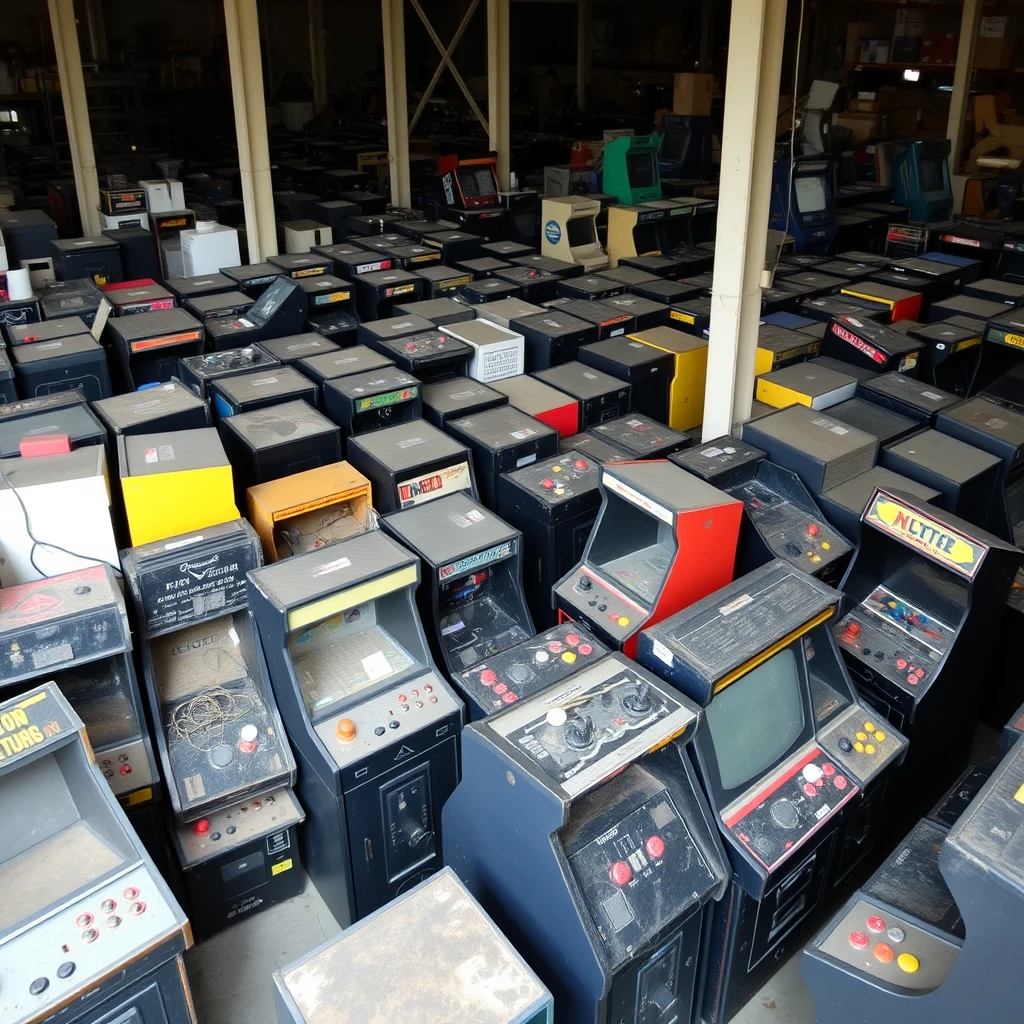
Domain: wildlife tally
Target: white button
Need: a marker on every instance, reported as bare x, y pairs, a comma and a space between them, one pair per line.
557, 717
542, 656
896, 935
812, 772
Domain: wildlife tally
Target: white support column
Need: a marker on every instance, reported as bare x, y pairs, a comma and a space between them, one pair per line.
393, 15
241, 20
317, 54
962, 75
584, 50
498, 84
748, 139
76, 111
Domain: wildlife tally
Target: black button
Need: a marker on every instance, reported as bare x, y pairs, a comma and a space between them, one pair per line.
39, 986
602, 607
215, 836
845, 745
393, 725
379, 731
66, 969
879, 655
865, 651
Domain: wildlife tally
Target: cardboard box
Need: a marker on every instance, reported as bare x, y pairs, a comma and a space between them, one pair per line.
692, 94
862, 126
858, 106
874, 51
939, 47
995, 45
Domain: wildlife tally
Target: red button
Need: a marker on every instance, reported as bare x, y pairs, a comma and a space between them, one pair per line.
828, 769
919, 672
580, 465
812, 530
853, 628
614, 617
201, 827
572, 639
126, 769
547, 483
901, 663
655, 847
500, 688
554, 647
839, 782
586, 649
876, 924
912, 679
620, 872
859, 940
402, 698
809, 789
487, 677
819, 782
509, 697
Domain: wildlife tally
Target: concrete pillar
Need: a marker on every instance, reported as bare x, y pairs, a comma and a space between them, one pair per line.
76, 111
748, 141
498, 84
317, 54
241, 20
584, 50
962, 81
393, 15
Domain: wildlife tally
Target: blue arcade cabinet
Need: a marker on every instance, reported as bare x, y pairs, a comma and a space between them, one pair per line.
920, 180
685, 147
811, 204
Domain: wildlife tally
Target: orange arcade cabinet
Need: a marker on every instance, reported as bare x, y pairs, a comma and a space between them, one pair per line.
662, 540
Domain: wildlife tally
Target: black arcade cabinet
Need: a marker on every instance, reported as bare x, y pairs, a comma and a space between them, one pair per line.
921, 594
580, 827
471, 600
374, 725
278, 312
934, 936
797, 797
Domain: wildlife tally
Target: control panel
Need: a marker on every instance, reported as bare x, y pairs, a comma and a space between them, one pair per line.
791, 533
640, 874
861, 743
427, 344
530, 667
559, 479
890, 949
395, 714
780, 817
239, 824
126, 767
598, 603
641, 436
66, 954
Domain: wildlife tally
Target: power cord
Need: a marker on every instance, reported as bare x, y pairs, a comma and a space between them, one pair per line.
36, 542
792, 137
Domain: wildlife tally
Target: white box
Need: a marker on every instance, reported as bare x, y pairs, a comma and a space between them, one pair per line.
207, 247
497, 351
301, 235
49, 486
40, 270
114, 221
163, 195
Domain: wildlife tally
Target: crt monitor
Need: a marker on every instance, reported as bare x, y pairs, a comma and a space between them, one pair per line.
920, 176
809, 193
476, 181
640, 169
581, 231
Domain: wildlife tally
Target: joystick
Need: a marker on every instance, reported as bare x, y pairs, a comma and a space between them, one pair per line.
585, 583
639, 701
416, 835
579, 732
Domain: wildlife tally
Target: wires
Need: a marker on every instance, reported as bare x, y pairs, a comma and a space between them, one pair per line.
37, 543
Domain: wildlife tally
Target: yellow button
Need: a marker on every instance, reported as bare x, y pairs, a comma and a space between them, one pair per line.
623, 621
568, 657
880, 736
815, 558
869, 748
859, 747
1019, 795
559, 490
556, 469
908, 962
825, 546
862, 736
869, 726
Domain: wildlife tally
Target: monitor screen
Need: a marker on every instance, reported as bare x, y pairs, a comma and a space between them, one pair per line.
640, 169
272, 299
673, 141
932, 178
809, 194
581, 231
477, 181
757, 719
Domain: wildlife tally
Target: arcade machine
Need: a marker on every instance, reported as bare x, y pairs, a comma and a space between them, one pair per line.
374, 725
75, 873
580, 827
920, 595
470, 190
630, 171
662, 540
661, 229
952, 352
920, 180
73, 629
780, 517
796, 794
471, 600
686, 147
811, 204
570, 232
933, 936
689, 376
280, 311
456, 966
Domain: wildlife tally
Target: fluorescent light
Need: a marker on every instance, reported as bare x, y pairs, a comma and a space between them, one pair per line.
911, 74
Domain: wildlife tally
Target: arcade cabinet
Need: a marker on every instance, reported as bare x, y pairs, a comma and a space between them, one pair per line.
810, 205
470, 189
796, 795
689, 375
662, 229
472, 600
921, 593
662, 540
570, 232
456, 966
579, 826
76, 873
920, 180
631, 168
934, 935
374, 725
686, 147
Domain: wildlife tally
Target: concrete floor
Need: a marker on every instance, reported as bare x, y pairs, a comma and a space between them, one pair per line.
231, 973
